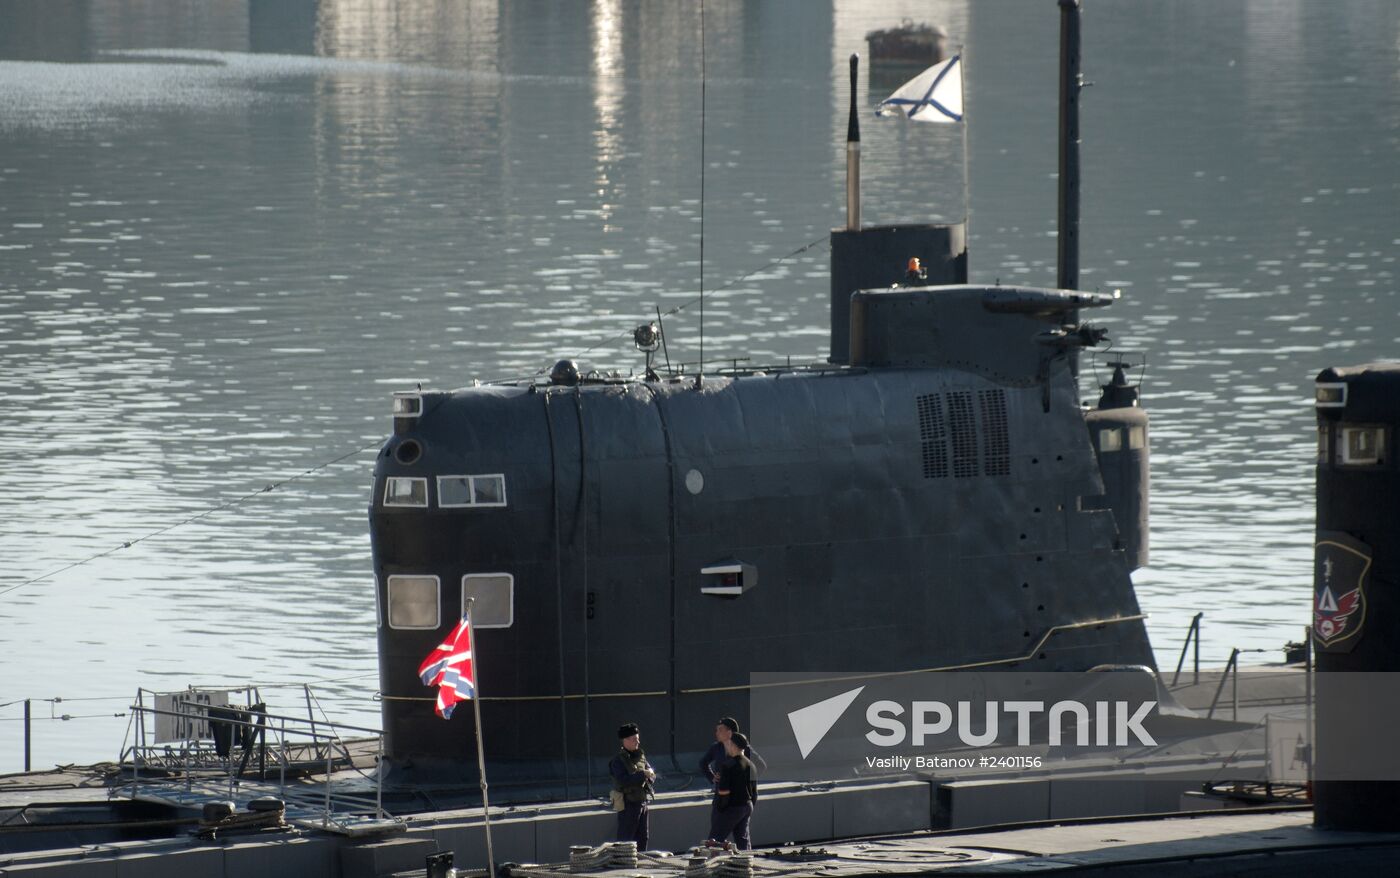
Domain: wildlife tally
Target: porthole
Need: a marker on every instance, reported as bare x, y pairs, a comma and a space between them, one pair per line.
408, 452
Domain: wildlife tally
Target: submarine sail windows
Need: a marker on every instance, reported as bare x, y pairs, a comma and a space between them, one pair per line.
489, 490
454, 491
1362, 445
1111, 440
459, 491
403, 491
413, 602
495, 599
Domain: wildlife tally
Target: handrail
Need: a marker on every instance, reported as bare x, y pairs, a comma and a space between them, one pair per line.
1044, 638
1050, 632
1193, 632
1232, 667
283, 729
297, 719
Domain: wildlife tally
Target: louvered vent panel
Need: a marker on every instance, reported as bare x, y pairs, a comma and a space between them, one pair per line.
934, 434
963, 424
996, 446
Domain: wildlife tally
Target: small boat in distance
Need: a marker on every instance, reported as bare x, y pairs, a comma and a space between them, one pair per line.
910, 43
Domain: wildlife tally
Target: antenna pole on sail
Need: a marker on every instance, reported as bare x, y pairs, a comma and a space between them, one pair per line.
853, 156
1070, 84
966, 156
700, 370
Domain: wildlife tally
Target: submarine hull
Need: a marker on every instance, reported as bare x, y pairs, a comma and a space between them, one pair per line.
664, 541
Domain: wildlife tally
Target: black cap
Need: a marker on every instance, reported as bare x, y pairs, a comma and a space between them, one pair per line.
628, 730
740, 741
729, 722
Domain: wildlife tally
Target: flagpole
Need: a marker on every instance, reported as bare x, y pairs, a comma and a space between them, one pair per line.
966, 156
480, 751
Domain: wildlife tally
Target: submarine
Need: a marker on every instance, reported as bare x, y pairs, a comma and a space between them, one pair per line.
934, 496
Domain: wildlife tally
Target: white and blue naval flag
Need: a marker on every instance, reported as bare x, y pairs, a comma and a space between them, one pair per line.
936, 95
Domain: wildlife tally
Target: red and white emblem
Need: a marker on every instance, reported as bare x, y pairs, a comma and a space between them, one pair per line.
1331, 615
1339, 590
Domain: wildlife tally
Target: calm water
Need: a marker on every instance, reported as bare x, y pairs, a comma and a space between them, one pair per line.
229, 231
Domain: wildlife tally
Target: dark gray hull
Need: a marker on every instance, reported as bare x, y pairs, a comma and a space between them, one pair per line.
877, 546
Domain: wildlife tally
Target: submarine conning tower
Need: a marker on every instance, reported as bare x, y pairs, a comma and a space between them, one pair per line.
1356, 598
876, 257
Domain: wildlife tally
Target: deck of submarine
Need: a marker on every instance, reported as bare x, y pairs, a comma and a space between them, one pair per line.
1277, 842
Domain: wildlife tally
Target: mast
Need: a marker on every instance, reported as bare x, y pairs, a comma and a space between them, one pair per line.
853, 156
1070, 83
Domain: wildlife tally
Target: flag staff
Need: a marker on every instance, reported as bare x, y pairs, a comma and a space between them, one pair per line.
480, 750
966, 156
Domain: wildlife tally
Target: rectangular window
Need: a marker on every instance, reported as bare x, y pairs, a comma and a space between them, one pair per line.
1110, 440
413, 602
1137, 438
454, 490
495, 599
1323, 435
1362, 446
1332, 396
489, 490
402, 491
459, 491
407, 405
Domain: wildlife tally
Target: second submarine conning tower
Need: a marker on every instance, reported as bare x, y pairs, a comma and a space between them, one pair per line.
1356, 598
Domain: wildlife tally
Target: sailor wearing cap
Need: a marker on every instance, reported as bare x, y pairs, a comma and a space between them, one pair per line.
715, 758
735, 793
632, 786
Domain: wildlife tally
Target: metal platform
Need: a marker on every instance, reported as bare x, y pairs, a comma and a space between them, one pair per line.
308, 806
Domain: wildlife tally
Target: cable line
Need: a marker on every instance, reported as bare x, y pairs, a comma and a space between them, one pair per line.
193, 518
675, 310
333, 461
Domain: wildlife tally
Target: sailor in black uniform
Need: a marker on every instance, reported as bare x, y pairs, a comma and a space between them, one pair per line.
735, 794
632, 785
715, 758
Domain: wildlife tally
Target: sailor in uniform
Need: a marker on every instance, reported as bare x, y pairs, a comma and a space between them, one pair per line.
633, 780
735, 793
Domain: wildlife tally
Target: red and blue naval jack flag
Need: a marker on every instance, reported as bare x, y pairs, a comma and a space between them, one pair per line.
449, 667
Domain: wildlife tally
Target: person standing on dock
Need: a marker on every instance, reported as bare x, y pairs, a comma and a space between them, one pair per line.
715, 758
735, 793
633, 780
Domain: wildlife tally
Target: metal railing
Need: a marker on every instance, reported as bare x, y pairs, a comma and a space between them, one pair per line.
1192, 634
1231, 673
192, 769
